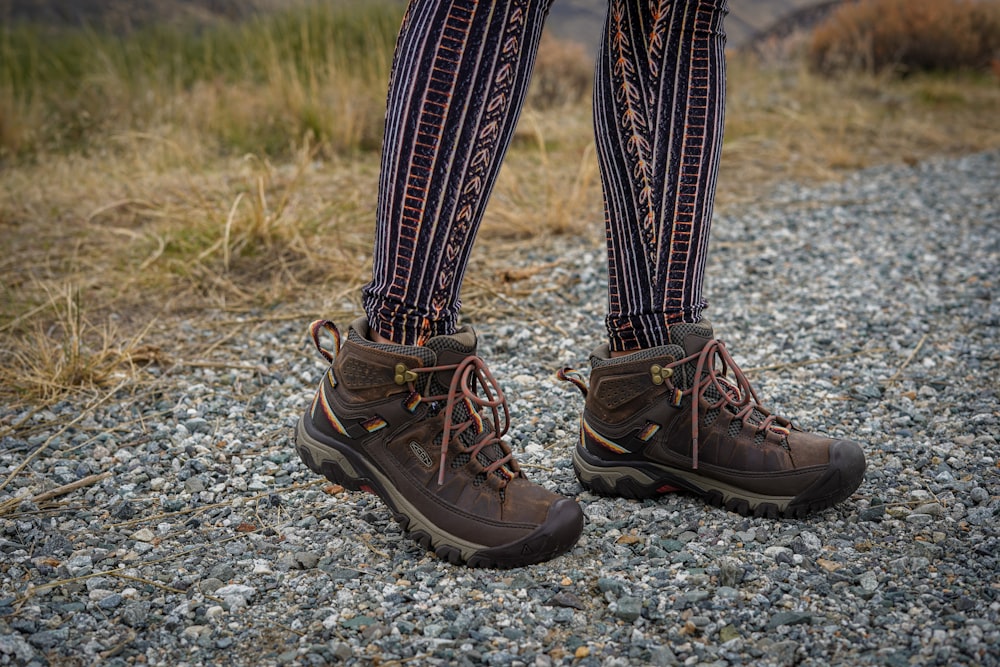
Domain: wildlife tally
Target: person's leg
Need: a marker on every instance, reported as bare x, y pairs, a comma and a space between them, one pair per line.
407, 409
661, 414
658, 110
459, 79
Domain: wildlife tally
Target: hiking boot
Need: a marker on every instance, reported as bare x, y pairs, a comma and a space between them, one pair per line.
668, 419
422, 428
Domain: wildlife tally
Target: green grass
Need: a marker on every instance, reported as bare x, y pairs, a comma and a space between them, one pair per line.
266, 82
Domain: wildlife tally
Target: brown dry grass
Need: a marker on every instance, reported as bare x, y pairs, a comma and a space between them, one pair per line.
157, 227
908, 35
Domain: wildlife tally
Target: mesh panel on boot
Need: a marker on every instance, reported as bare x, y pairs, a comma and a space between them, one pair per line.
598, 361
710, 416
678, 332
426, 356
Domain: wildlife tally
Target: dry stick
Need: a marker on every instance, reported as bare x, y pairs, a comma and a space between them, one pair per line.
104, 573
156, 584
83, 413
524, 311
13, 427
820, 360
58, 491
118, 204
202, 508
120, 646
221, 364
72, 486
14, 322
899, 371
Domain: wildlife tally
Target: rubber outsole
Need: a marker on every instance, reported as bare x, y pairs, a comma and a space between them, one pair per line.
643, 480
341, 465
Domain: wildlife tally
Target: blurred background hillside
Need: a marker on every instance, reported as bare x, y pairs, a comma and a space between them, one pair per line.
578, 20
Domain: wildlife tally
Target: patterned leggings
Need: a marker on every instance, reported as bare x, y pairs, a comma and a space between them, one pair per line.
459, 79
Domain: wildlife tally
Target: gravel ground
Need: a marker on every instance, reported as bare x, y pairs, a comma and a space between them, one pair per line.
211, 542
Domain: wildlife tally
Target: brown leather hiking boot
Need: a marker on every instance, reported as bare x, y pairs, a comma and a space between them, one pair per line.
640, 436
404, 423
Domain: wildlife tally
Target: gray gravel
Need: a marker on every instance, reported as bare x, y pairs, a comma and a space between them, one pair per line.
210, 542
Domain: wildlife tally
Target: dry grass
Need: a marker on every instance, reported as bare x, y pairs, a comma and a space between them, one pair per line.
904, 36
71, 353
159, 226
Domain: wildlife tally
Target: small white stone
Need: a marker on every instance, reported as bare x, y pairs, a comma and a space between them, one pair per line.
775, 551
144, 535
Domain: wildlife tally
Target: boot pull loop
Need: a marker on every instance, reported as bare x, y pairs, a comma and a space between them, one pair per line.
567, 374
314, 330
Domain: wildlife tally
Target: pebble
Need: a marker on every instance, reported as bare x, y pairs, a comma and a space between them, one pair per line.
629, 608
235, 552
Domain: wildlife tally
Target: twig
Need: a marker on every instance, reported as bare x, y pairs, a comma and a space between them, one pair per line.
522, 310
117, 648
14, 322
221, 364
156, 584
899, 371
367, 541
13, 427
83, 413
300, 633
820, 360
202, 508
58, 491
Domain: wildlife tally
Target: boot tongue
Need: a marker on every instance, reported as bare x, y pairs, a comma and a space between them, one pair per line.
692, 337
360, 333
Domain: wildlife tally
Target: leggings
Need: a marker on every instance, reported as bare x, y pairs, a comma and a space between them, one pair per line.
459, 78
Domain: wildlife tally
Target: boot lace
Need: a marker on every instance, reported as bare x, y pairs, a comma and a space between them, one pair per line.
462, 405
712, 384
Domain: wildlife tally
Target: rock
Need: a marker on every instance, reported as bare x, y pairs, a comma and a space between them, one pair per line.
136, 614
606, 585
629, 608
788, 618
236, 592
872, 513
14, 645
306, 560
731, 573
565, 599
144, 535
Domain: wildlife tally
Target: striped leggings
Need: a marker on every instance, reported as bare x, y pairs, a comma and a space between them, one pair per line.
458, 82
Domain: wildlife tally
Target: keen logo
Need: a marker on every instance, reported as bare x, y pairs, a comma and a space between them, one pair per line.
422, 455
